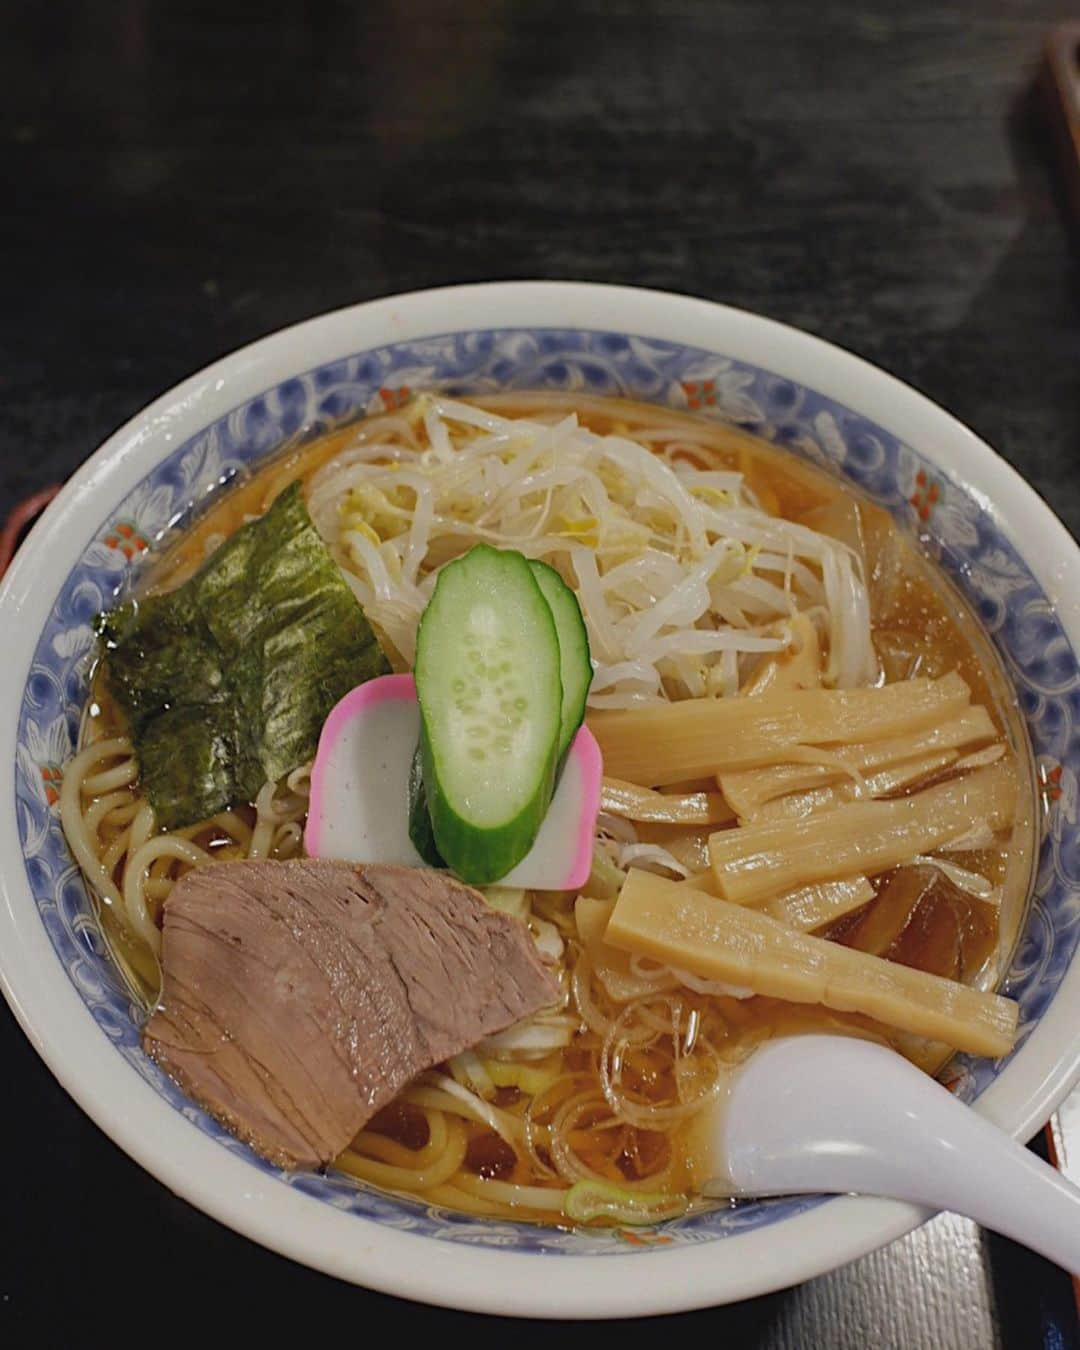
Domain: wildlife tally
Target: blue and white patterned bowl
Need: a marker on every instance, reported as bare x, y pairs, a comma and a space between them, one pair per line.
1005, 549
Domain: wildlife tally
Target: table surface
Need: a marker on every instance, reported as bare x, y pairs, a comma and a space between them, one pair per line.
182, 178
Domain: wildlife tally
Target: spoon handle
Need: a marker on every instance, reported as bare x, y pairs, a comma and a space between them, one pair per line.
833, 1114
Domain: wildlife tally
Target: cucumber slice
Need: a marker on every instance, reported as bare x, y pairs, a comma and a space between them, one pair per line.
575, 665
420, 831
490, 691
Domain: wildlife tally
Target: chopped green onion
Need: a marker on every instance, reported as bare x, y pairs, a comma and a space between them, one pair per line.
529, 1078
604, 1200
510, 900
605, 880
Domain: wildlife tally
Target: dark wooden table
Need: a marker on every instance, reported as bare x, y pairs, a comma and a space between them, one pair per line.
178, 179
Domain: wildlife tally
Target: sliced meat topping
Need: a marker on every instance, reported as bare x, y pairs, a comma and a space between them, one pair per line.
301, 997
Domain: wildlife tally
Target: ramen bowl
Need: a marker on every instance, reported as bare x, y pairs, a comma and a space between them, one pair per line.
1008, 554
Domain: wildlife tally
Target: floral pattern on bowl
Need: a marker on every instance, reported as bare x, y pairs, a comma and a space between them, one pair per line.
1013, 607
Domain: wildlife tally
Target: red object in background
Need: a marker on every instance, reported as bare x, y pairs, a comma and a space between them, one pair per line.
20, 520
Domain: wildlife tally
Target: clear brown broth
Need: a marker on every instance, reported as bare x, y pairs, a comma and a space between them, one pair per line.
921, 627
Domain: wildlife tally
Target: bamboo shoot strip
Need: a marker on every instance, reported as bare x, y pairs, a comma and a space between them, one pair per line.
881, 784
610, 965
807, 908
748, 789
638, 803
668, 742
701, 881
755, 862
677, 925
799, 668
824, 902
897, 902
591, 919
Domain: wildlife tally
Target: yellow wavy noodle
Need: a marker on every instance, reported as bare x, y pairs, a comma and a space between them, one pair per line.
133, 866
605, 1087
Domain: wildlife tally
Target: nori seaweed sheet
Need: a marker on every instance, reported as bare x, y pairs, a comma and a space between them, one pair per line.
227, 680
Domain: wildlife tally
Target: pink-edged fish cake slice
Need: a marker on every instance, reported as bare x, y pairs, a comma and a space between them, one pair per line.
359, 806
561, 856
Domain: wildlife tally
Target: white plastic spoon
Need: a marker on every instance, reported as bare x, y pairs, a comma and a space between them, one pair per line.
834, 1114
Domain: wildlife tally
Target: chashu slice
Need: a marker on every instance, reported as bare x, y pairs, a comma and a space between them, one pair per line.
301, 997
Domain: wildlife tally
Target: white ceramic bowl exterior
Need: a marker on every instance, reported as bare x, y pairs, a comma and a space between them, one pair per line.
1015, 560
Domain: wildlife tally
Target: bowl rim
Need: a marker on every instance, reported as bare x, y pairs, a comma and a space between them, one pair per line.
281, 1217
